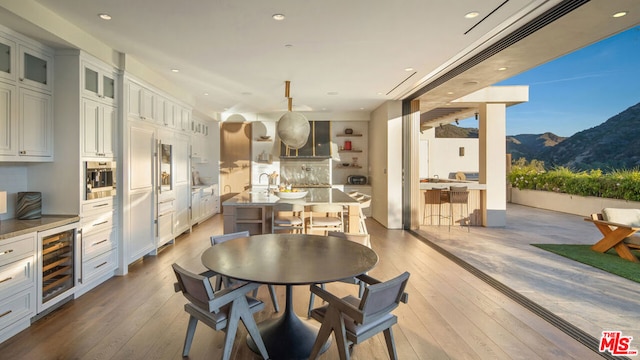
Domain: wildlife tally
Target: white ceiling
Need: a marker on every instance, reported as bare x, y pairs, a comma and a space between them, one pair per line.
339, 55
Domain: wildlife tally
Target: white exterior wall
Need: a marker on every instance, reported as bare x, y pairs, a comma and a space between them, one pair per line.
444, 157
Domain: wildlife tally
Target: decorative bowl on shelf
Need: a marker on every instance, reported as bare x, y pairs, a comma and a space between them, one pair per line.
291, 194
265, 137
345, 164
348, 131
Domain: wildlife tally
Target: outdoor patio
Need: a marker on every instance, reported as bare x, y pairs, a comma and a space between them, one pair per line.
588, 298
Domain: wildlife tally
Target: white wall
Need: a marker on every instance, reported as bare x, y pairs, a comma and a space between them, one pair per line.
385, 152
13, 179
445, 156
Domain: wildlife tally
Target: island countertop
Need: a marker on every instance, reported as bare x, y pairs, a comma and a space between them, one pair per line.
314, 196
14, 227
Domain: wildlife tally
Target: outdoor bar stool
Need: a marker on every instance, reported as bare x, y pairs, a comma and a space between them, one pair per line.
433, 197
459, 195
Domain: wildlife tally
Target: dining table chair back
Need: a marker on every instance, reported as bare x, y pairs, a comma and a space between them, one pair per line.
222, 311
355, 320
219, 239
289, 217
326, 217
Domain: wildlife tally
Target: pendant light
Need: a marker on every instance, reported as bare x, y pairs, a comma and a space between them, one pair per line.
293, 128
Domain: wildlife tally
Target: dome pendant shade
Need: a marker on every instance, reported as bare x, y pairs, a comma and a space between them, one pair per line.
293, 129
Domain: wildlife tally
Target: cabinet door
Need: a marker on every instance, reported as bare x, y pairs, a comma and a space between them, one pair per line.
91, 123
35, 69
108, 86
7, 119
7, 59
35, 124
107, 138
134, 96
147, 105
185, 119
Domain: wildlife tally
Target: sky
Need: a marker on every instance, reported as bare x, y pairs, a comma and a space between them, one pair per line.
579, 90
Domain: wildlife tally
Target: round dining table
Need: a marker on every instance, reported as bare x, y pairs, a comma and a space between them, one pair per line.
289, 259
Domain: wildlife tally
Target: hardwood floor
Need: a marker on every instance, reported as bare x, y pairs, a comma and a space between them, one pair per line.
451, 313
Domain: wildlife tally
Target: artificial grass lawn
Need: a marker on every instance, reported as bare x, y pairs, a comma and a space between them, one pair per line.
609, 261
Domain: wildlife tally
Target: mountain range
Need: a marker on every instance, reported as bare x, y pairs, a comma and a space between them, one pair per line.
614, 144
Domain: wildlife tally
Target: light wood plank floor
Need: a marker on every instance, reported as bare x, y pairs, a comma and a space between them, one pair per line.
451, 313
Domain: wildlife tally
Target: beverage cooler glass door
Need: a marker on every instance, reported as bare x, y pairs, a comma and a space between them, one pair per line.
58, 260
166, 167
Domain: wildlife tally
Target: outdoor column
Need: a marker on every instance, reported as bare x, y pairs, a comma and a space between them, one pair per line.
493, 148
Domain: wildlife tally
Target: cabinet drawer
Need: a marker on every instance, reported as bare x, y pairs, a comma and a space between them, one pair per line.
96, 223
99, 265
96, 207
98, 243
165, 207
15, 248
17, 275
17, 307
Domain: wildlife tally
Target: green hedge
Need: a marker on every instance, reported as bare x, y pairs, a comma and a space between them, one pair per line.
618, 184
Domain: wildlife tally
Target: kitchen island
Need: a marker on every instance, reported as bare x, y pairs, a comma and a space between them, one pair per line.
251, 210
432, 214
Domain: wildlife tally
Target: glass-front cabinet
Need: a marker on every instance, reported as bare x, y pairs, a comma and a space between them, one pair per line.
100, 84
35, 69
7, 62
165, 167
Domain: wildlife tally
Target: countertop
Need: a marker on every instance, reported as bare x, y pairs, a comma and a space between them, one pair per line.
314, 196
14, 227
471, 185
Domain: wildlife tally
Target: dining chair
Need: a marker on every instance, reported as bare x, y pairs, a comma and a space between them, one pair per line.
364, 201
459, 195
286, 216
220, 310
326, 217
219, 239
362, 239
355, 320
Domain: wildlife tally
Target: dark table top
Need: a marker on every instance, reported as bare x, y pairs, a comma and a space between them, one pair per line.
289, 259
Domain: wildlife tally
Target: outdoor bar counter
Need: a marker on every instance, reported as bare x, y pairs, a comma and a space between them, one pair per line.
429, 212
251, 210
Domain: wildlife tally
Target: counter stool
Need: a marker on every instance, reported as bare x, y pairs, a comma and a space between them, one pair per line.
459, 195
288, 217
364, 201
331, 218
432, 197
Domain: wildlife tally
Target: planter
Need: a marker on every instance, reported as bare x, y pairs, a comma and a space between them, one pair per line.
570, 204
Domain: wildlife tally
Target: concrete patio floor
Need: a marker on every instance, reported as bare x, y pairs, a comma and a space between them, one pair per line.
588, 298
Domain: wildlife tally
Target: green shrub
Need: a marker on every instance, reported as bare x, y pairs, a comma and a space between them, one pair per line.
617, 184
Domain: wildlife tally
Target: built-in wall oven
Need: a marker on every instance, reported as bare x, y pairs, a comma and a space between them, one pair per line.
100, 177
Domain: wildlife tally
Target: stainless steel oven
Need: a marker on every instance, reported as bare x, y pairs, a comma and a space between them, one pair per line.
100, 177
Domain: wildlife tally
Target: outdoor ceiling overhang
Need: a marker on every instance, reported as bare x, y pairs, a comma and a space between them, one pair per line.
466, 106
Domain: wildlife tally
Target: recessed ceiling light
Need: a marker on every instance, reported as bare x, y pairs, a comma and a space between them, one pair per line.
408, 69
361, 108
471, 15
104, 16
206, 94
278, 17
379, 93
450, 93
246, 93
472, 82
620, 14
175, 70
502, 68
332, 93
288, 45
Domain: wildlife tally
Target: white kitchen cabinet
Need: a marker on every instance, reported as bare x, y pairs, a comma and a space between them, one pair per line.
99, 124
141, 102
35, 124
185, 119
17, 284
36, 68
195, 207
98, 84
7, 58
8, 119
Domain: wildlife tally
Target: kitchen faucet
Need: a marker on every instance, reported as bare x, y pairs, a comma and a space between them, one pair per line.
268, 181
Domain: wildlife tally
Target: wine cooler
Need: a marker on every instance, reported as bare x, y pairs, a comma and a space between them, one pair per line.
57, 249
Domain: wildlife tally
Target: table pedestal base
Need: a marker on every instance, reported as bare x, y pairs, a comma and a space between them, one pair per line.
287, 337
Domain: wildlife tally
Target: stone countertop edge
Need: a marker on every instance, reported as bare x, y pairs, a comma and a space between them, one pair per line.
13, 227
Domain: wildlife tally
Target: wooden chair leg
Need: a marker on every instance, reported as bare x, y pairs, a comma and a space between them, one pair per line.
232, 328
251, 326
340, 333
312, 298
188, 339
391, 346
274, 299
321, 339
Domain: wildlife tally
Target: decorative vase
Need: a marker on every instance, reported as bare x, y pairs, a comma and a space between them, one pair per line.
29, 205
348, 131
